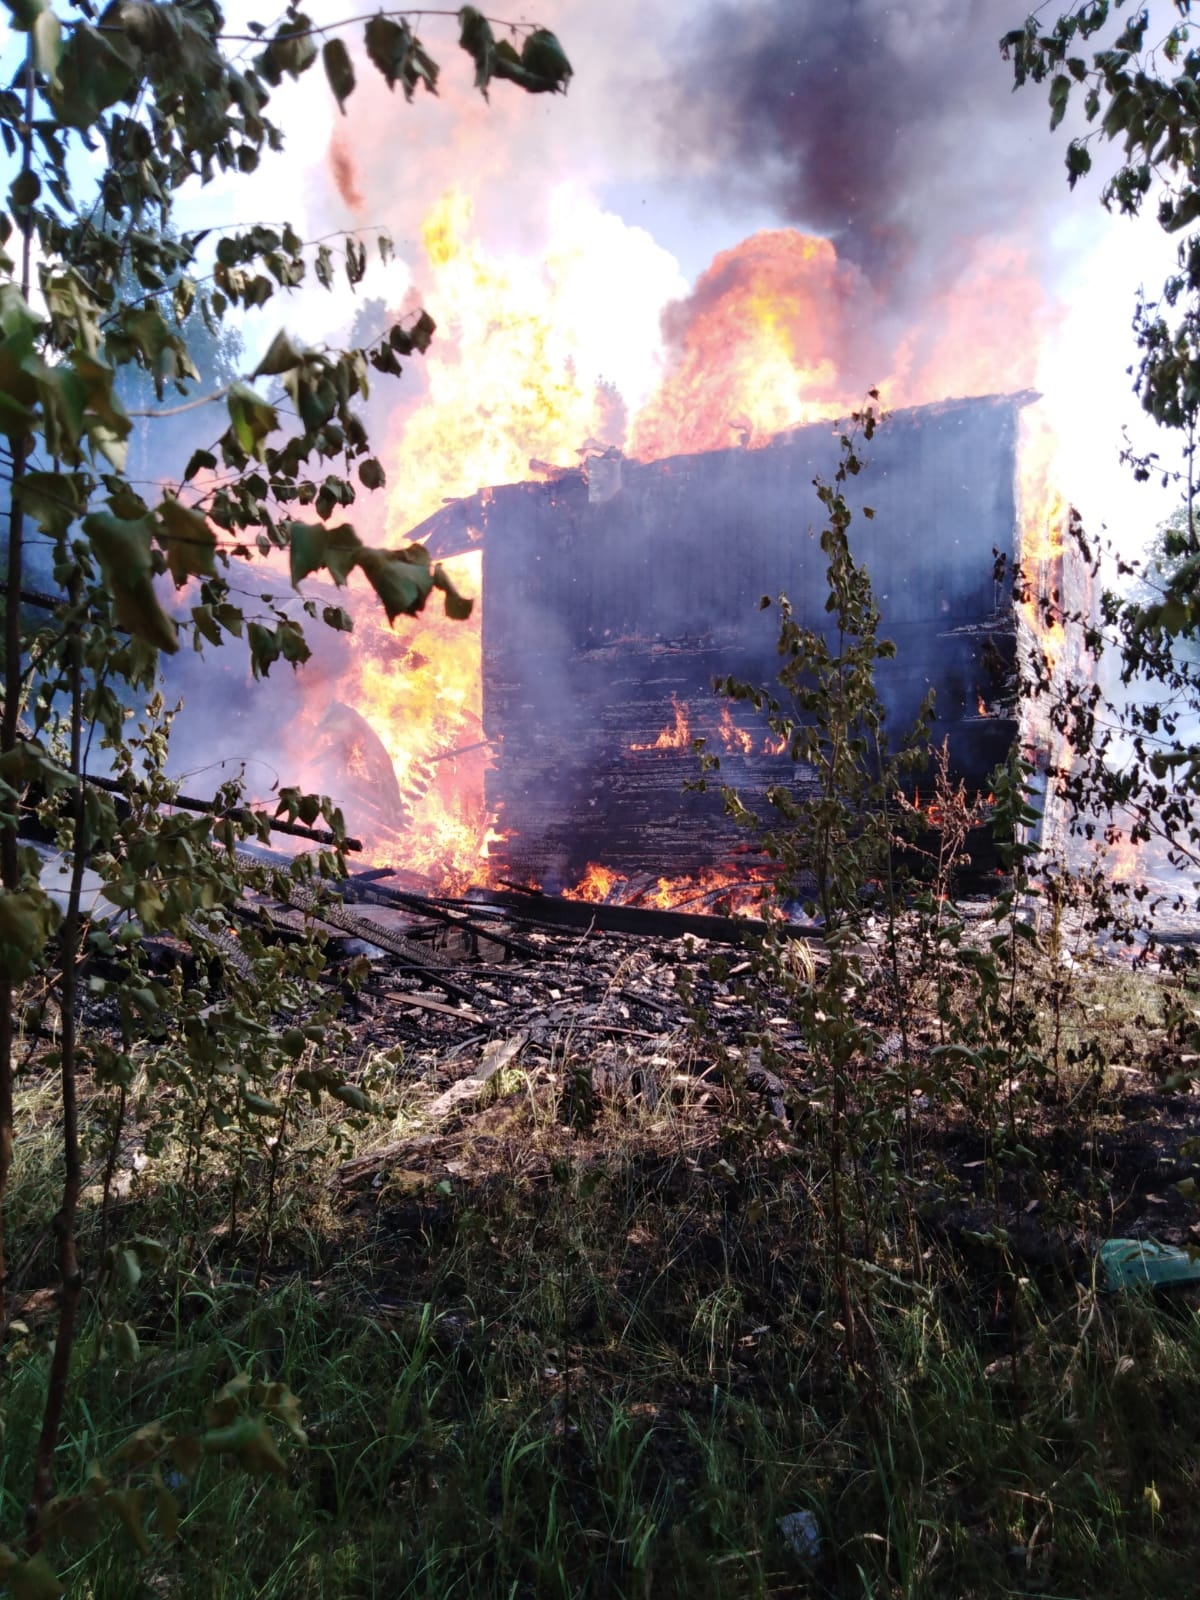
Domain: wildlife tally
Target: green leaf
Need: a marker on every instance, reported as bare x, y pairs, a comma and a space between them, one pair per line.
123, 549
54, 499
199, 460
401, 579
1079, 162
23, 191
283, 1405
351, 1095
292, 642
282, 356
190, 544
260, 1105
73, 1518
292, 50
313, 546
264, 646
141, 1447
458, 606
148, 906
227, 1402
125, 1343
545, 59
34, 1580
127, 1268
370, 474
95, 70
47, 45
400, 56
249, 1440
1060, 93
293, 1042
339, 70
418, 337
127, 1503
477, 40
206, 624
143, 334
29, 918
252, 418
337, 618
24, 14
64, 399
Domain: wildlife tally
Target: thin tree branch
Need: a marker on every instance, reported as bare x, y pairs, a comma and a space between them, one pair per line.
332, 27
188, 405
70, 1275
10, 870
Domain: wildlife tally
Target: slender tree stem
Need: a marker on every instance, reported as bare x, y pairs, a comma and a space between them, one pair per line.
10, 872
70, 1276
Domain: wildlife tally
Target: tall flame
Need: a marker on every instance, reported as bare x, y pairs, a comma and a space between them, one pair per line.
773, 335
503, 384
1042, 523
755, 348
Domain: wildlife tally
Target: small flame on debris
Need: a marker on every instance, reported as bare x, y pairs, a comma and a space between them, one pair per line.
737, 891
676, 735
596, 884
733, 737
1123, 857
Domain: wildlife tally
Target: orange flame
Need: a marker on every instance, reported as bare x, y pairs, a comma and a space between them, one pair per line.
1043, 515
733, 737
755, 348
596, 884
1123, 857
770, 338
418, 691
677, 733
502, 384
730, 891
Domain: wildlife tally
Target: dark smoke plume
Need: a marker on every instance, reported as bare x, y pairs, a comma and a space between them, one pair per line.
891, 128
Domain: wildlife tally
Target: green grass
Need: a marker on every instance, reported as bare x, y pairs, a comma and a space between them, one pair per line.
607, 1363
616, 1382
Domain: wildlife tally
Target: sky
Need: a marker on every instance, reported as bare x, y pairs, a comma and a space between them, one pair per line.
888, 126
891, 128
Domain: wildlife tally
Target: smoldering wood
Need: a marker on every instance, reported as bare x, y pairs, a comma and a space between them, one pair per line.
537, 910
602, 613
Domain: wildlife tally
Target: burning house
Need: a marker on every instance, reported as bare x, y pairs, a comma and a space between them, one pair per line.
614, 595
550, 740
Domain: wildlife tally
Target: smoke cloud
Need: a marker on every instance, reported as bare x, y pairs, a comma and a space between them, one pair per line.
890, 128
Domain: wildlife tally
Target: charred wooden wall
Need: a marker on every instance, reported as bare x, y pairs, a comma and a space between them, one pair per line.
599, 613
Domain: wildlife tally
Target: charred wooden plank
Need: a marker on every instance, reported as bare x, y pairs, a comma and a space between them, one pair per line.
551, 911
440, 909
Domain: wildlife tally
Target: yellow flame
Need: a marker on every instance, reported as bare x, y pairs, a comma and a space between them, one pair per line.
677, 733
